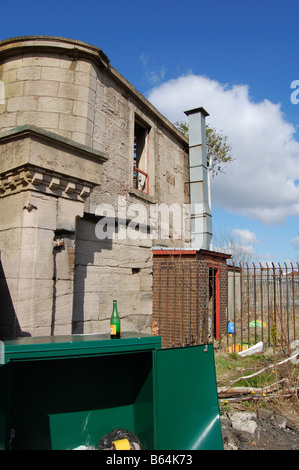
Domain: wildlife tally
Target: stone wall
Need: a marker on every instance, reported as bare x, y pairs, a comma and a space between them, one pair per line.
39, 207
67, 122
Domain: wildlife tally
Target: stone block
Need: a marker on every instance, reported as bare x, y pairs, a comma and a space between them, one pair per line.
54, 104
67, 211
73, 92
67, 90
11, 210
72, 123
41, 61
7, 121
14, 89
43, 119
8, 75
40, 88
28, 73
22, 103
36, 254
57, 74
10, 242
87, 307
40, 210
80, 137
81, 109
63, 308
146, 280
33, 305
15, 63
82, 79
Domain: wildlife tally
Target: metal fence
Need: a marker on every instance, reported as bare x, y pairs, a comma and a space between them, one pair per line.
263, 305
180, 306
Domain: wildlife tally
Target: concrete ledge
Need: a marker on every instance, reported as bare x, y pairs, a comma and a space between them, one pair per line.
42, 135
71, 47
32, 156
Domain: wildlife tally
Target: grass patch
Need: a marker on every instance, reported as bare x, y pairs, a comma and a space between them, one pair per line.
231, 366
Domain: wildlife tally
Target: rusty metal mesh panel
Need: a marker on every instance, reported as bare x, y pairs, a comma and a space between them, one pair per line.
180, 302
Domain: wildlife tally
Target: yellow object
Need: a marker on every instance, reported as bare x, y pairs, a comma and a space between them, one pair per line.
236, 348
122, 444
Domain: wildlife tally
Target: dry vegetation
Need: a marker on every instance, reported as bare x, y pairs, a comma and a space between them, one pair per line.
269, 380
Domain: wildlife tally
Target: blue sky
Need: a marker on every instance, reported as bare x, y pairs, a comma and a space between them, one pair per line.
237, 59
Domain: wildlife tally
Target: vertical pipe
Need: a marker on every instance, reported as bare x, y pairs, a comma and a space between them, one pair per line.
199, 175
241, 302
228, 307
268, 304
297, 304
254, 301
287, 303
262, 303
248, 304
234, 290
274, 304
293, 300
281, 316
269, 311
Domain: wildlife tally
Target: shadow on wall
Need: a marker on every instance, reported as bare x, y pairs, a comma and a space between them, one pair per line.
87, 245
9, 324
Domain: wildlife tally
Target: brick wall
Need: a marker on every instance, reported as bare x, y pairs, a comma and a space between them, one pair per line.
184, 299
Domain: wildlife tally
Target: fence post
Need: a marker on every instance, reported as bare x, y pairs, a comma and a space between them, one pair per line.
262, 300
268, 305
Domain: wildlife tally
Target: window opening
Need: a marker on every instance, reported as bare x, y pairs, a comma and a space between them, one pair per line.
140, 164
214, 301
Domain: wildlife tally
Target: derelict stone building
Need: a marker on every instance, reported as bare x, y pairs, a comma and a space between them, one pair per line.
85, 160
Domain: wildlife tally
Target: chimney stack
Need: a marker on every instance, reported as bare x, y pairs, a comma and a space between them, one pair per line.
201, 216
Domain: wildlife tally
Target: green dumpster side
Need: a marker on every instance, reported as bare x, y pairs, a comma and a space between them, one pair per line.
64, 392
187, 401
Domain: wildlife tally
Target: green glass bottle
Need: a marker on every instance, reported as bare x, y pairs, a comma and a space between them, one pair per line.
114, 322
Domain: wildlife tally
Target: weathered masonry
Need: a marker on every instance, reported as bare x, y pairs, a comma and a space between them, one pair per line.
77, 143
92, 178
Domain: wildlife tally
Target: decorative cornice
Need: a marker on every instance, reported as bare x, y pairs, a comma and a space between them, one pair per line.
38, 179
49, 163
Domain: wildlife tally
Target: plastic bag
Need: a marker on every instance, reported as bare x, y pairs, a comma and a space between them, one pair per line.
111, 441
258, 347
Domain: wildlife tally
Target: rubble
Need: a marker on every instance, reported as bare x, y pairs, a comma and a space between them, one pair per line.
261, 430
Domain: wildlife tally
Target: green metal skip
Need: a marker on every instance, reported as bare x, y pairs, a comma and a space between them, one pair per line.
65, 391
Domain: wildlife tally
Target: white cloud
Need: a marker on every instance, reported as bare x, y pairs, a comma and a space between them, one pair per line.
245, 236
295, 242
152, 74
238, 242
144, 58
262, 182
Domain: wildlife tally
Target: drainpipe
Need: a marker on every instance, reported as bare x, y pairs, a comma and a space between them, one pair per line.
200, 199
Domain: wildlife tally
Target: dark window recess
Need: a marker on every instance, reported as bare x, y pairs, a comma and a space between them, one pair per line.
141, 158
